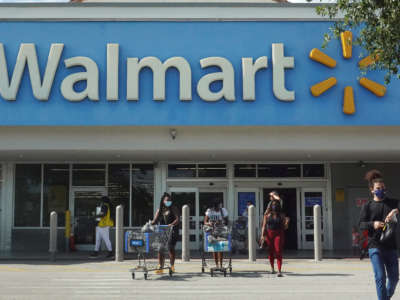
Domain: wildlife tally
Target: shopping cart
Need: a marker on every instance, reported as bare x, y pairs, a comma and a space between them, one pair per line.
147, 244
216, 238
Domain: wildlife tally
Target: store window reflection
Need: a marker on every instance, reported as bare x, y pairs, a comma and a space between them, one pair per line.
55, 192
27, 195
118, 188
142, 193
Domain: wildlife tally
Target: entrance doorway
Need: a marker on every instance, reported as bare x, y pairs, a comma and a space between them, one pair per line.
83, 210
311, 197
289, 197
198, 200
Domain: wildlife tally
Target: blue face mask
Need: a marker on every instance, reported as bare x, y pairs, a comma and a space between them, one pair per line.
381, 193
168, 203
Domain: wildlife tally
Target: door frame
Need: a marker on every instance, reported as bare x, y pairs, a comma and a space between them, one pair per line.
259, 209
74, 189
325, 232
192, 245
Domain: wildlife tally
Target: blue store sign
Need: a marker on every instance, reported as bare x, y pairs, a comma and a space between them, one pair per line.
180, 73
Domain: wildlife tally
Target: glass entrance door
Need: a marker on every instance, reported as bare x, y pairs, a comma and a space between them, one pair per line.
83, 210
187, 196
199, 200
311, 197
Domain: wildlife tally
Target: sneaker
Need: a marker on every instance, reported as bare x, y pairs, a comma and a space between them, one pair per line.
110, 254
279, 274
273, 272
159, 271
172, 269
94, 254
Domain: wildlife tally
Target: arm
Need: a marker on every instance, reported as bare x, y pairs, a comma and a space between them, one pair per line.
286, 221
263, 226
206, 220
176, 221
393, 212
366, 223
156, 217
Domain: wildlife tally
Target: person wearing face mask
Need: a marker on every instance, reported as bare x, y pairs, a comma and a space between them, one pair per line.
272, 232
383, 255
216, 216
167, 214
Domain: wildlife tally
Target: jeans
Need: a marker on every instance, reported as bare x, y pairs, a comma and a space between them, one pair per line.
380, 260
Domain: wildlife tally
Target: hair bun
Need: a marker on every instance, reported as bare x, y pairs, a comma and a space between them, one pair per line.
372, 175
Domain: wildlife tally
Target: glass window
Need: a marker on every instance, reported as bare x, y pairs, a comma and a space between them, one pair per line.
182, 170
279, 170
142, 193
55, 192
313, 170
1, 182
212, 170
89, 175
27, 195
118, 188
245, 170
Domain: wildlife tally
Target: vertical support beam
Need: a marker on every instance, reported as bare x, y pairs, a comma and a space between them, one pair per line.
185, 234
252, 233
119, 234
317, 233
53, 236
67, 229
230, 201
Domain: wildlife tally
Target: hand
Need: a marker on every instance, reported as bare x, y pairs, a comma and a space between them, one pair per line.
378, 224
390, 215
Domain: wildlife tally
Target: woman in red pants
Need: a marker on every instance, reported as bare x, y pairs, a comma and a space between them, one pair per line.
273, 232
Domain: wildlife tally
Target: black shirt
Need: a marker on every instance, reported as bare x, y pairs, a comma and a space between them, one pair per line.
377, 211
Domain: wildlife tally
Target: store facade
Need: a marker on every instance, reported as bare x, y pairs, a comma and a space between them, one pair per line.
132, 100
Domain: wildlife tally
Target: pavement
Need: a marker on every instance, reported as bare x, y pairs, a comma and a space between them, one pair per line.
329, 279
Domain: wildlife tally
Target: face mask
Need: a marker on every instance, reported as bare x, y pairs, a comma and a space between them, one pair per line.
168, 203
274, 207
380, 193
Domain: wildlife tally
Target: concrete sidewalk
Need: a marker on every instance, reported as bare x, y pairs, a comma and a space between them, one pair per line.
331, 279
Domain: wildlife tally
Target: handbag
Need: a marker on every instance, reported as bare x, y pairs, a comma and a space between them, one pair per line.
388, 231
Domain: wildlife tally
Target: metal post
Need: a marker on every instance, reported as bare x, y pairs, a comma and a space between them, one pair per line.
185, 233
119, 234
252, 232
317, 233
67, 229
53, 236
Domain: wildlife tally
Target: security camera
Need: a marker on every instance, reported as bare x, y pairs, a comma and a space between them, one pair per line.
172, 133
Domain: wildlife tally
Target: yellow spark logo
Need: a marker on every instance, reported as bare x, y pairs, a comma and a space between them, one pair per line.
348, 97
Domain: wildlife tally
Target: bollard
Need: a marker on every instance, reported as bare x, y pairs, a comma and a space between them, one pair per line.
317, 233
119, 234
53, 236
67, 229
185, 234
252, 233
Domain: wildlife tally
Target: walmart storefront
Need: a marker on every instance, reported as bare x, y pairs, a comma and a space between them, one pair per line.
205, 100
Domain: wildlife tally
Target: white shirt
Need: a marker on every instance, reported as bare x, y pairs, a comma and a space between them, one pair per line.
215, 216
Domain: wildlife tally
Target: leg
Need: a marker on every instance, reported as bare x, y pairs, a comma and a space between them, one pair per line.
220, 258
106, 238
279, 242
215, 254
392, 268
379, 271
271, 251
161, 259
172, 256
98, 239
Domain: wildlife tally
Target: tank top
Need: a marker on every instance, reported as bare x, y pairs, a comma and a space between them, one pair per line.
274, 223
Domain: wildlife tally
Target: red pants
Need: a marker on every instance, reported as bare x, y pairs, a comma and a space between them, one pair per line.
275, 240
